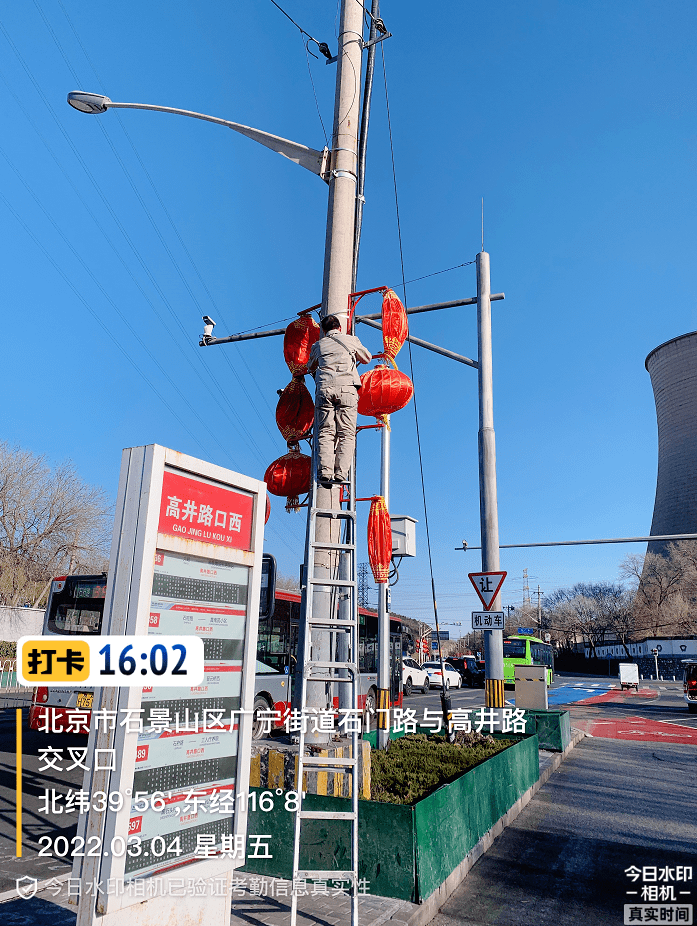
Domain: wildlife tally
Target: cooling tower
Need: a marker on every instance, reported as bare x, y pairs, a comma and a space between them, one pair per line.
673, 370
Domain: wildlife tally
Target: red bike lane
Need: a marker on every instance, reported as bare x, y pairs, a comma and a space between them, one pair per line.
633, 727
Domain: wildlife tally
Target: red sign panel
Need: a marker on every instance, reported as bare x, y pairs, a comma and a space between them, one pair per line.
209, 513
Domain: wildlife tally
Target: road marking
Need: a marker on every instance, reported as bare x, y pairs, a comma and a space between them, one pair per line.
596, 685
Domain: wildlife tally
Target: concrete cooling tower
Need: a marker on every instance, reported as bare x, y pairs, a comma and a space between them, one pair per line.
673, 370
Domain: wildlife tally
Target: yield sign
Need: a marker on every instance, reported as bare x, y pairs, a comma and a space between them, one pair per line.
487, 585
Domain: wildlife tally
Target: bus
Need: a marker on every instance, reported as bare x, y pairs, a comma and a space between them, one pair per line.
76, 606
277, 648
519, 650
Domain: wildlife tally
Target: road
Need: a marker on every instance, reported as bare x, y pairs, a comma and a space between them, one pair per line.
657, 715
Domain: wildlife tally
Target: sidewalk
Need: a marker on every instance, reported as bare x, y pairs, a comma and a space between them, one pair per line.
266, 900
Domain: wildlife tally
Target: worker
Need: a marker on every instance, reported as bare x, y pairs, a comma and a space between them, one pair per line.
333, 364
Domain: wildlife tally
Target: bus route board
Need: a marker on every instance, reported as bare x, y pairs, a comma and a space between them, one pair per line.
185, 561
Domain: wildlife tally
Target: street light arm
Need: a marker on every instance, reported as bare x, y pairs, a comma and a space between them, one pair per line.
315, 161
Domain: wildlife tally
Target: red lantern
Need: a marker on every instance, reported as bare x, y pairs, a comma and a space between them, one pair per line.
300, 335
395, 325
383, 391
295, 412
268, 510
289, 476
379, 539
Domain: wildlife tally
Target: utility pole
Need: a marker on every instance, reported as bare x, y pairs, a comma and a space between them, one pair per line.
539, 608
337, 284
488, 508
526, 589
383, 732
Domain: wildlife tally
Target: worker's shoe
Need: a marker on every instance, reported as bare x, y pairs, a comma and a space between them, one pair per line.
326, 483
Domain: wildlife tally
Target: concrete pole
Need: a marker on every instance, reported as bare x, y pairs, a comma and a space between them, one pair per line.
488, 509
383, 734
338, 270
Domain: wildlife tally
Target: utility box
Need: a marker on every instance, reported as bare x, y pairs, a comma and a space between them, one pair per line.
403, 535
531, 687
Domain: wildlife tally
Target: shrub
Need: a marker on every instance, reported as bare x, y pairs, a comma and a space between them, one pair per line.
416, 765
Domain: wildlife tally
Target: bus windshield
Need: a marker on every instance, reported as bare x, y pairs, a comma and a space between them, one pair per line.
79, 606
514, 649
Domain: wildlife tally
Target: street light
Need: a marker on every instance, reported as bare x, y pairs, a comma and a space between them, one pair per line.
315, 161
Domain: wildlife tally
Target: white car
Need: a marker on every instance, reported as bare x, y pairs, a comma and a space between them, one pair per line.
453, 679
414, 676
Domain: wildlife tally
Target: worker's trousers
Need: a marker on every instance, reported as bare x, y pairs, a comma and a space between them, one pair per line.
336, 426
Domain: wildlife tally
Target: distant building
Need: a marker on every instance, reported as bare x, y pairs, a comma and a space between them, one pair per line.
671, 652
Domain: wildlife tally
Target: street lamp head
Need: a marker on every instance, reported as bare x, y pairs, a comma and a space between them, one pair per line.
91, 103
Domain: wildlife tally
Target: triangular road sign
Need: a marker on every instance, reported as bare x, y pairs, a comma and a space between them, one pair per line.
487, 585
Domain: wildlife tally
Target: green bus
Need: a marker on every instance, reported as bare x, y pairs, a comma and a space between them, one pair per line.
520, 650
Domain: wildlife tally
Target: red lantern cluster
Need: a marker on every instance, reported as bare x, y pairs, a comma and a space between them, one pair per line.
395, 325
295, 412
379, 539
300, 335
384, 391
289, 476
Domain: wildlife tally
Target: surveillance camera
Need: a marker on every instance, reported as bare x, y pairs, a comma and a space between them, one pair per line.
209, 325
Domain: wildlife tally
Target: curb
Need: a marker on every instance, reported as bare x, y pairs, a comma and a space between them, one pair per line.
40, 886
422, 914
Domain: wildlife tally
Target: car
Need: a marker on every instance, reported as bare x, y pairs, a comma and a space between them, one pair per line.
453, 679
689, 684
414, 676
471, 672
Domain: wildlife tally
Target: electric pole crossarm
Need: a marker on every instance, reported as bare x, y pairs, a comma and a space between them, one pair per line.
575, 543
359, 318
434, 347
309, 158
496, 297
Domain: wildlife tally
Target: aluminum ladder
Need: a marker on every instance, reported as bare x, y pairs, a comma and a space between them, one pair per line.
334, 671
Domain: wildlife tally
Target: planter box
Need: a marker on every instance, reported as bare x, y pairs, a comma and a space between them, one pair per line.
404, 852
553, 728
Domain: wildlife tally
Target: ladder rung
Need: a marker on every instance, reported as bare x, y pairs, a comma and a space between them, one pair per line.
315, 664
328, 622
327, 875
328, 678
334, 513
318, 545
341, 583
327, 761
327, 815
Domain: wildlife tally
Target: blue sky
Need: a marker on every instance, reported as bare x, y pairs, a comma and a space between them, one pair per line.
574, 121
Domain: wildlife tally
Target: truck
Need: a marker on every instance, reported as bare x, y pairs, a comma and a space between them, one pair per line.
629, 675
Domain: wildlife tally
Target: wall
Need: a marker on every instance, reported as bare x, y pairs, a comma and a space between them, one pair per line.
20, 622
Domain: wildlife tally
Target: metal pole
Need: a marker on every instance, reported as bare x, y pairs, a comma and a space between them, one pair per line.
337, 284
383, 733
488, 510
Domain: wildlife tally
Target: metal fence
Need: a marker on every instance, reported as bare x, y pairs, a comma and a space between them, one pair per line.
12, 694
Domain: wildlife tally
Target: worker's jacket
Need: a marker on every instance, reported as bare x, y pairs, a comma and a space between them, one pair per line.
333, 360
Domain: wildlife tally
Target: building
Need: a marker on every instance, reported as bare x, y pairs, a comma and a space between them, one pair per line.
673, 370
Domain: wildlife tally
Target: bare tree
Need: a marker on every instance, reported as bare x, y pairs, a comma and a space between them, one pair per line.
288, 583
591, 611
51, 522
666, 589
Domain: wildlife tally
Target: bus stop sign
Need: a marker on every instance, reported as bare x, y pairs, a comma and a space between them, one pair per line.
487, 585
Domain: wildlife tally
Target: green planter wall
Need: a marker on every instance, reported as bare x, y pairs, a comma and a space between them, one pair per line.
553, 728
404, 852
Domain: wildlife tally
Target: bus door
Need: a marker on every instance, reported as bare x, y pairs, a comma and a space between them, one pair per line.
396, 669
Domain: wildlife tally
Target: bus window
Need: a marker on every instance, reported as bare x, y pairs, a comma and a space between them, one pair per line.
514, 649
78, 607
